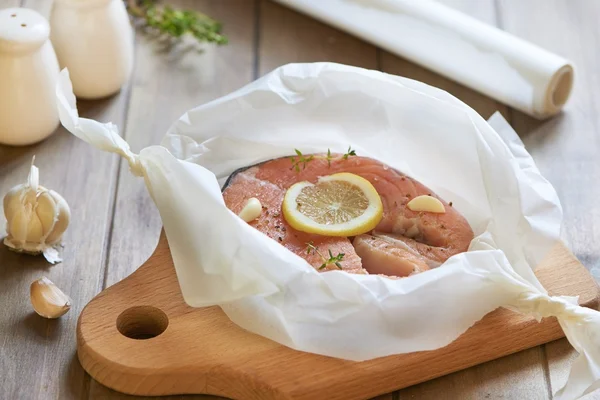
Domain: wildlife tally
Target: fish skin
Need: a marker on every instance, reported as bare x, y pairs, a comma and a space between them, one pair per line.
420, 239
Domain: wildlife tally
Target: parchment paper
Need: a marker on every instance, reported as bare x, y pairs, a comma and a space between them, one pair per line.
458, 46
418, 129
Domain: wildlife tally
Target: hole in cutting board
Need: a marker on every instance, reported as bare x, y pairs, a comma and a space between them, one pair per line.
142, 322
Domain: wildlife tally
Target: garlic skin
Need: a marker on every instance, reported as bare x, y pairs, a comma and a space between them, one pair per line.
48, 300
36, 218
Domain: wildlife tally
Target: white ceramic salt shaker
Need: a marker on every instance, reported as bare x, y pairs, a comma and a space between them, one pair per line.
28, 74
94, 40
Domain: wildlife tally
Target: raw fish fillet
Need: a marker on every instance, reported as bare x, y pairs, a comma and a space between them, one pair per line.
405, 242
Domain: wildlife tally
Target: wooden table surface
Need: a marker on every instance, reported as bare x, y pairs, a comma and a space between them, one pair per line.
115, 225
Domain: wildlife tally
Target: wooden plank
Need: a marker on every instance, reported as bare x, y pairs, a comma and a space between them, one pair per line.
521, 375
566, 148
37, 356
207, 353
286, 36
168, 82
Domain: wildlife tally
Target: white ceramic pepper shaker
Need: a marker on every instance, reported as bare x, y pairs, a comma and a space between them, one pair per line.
94, 40
28, 74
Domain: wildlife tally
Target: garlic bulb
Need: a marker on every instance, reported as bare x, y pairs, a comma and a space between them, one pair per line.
47, 299
36, 218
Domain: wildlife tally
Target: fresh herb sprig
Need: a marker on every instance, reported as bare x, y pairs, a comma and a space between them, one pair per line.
336, 260
168, 21
329, 158
333, 260
302, 160
349, 153
310, 246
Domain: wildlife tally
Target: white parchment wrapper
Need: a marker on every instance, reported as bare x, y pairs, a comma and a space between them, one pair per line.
455, 45
415, 128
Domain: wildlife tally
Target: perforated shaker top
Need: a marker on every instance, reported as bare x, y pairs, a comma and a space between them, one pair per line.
22, 28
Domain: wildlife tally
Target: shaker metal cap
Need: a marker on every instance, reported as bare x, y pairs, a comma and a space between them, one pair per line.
22, 29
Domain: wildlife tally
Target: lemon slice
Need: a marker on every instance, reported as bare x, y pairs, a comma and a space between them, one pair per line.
341, 204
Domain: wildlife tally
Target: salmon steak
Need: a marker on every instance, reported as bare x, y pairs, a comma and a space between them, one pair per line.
405, 242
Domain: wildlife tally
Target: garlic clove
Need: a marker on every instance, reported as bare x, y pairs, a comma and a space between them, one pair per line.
48, 300
63, 217
251, 210
426, 203
45, 213
36, 218
24, 224
13, 200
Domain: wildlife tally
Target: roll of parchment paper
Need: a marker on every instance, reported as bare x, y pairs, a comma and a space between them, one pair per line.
457, 46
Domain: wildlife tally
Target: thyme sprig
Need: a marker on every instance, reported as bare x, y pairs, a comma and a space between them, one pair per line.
349, 153
329, 157
310, 246
333, 260
168, 21
302, 160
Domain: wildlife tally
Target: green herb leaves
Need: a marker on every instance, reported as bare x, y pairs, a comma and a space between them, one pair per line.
310, 246
349, 153
302, 160
333, 260
176, 23
329, 157
326, 261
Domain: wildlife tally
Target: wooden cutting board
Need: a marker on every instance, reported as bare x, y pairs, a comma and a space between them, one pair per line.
139, 337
